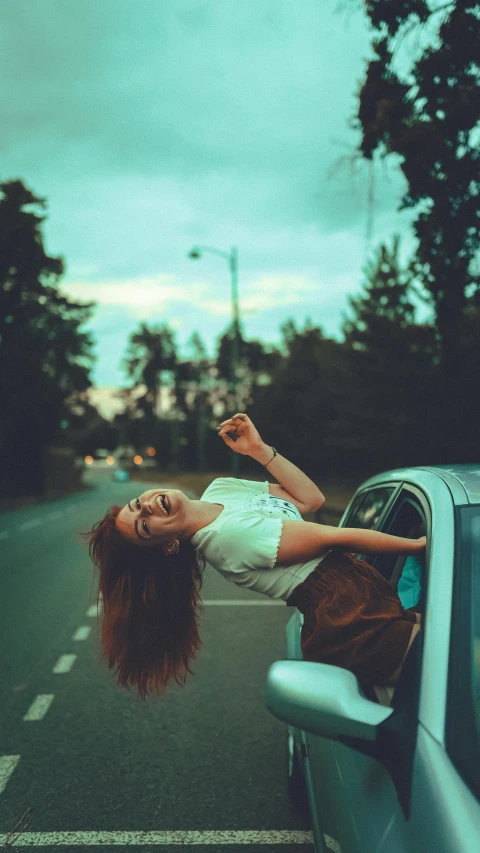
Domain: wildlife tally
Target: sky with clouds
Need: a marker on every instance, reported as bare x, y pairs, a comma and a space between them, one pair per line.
151, 127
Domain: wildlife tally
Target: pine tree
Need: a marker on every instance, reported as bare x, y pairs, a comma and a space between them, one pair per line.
395, 361
429, 119
45, 356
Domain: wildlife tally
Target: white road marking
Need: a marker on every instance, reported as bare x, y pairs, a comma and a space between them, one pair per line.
39, 706
332, 843
82, 633
225, 602
64, 663
142, 838
93, 610
7, 766
53, 515
241, 601
28, 524
3, 534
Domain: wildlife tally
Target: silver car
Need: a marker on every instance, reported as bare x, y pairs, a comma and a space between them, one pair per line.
397, 769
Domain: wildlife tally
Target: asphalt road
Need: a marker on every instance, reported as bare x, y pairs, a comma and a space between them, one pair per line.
203, 767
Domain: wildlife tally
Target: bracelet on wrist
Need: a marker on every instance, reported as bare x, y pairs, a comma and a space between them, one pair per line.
273, 457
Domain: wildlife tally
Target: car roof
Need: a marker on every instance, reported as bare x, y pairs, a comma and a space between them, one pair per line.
462, 479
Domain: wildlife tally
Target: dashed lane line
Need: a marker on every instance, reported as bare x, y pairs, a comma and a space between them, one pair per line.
64, 663
207, 837
241, 601
39, 707
36, 522
82, 633
93, 610
7, 766
27, 525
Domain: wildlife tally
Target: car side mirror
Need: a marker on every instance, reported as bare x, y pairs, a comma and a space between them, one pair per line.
322, 699
326, 700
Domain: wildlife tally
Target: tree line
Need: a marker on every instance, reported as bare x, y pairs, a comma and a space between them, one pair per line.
394, 391
375, 400
45, 356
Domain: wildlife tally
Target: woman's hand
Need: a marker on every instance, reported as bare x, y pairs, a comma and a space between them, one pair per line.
248, 439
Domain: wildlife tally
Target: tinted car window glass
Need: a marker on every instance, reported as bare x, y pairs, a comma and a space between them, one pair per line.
462, 734
367, 507
475, 638
405, 521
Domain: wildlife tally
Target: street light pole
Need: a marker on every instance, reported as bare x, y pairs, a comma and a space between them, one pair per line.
236, 324
232, 258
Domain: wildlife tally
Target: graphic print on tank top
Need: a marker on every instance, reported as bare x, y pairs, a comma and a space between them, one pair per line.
272, 506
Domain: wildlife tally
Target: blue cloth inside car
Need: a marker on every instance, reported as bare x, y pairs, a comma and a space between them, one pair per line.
409, 586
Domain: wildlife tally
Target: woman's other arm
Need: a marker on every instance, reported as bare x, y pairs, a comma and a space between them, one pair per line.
305, 540
292, 479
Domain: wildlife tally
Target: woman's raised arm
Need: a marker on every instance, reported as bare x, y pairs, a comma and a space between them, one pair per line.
249, 443
305, 540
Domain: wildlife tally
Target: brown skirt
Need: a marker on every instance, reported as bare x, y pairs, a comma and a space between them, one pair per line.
353, 618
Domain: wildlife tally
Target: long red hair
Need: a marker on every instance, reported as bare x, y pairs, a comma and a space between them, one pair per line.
150, 603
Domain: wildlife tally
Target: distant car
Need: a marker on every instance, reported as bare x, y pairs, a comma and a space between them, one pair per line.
397, 769
102, 459
133, 461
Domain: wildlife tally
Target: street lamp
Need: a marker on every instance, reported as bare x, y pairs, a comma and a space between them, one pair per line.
232, 258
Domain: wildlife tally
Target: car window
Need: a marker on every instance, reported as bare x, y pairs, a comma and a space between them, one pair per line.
405, 573
367, 507
475, 635
462, 736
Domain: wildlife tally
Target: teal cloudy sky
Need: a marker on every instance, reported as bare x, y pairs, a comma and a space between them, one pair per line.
154, 125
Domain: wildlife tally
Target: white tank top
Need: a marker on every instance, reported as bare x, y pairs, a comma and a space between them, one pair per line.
242, 542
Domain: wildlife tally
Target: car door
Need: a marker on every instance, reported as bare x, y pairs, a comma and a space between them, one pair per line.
336, 770
362, 792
